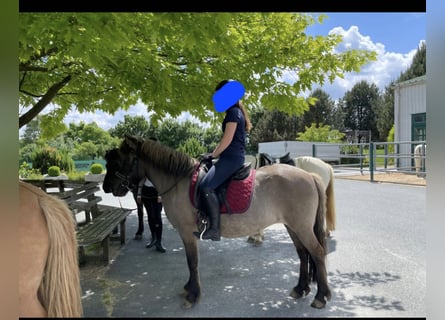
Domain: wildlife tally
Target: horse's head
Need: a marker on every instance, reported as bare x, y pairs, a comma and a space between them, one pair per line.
123, 171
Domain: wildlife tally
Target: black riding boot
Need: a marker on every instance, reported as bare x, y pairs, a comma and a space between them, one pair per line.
158, 243
153, 235
210, 203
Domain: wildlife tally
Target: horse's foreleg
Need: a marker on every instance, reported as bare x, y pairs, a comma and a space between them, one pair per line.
192, 288
257, 239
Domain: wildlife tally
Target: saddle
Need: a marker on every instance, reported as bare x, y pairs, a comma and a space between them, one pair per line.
234, 195
271, 160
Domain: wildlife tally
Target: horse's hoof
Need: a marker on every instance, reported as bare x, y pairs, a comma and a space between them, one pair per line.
318, 304
187, 304
138, 237
297, 295
257, 243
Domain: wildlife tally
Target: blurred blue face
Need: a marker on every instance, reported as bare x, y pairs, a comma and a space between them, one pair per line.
228, 95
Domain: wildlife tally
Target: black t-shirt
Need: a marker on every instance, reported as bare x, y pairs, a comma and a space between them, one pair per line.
238, 145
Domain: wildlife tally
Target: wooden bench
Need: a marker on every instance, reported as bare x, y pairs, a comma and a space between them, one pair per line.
101, 221
101, 228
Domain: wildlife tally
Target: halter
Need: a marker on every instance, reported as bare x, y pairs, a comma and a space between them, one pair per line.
126, 179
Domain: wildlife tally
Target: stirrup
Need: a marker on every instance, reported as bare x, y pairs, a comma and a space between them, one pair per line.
215, 237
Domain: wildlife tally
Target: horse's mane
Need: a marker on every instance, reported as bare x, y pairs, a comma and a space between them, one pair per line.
166, 159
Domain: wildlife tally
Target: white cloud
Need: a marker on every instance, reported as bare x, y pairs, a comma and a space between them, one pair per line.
387, 68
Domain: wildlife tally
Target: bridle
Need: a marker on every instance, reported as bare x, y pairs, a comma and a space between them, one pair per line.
125, 179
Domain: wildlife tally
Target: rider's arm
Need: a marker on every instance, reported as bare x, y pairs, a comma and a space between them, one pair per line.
229, 132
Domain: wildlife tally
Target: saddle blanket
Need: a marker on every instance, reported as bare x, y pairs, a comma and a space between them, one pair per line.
238, 194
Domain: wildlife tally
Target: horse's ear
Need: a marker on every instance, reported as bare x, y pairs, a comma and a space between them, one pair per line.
132, 142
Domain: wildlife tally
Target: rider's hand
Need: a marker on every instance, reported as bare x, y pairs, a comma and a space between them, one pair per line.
207, 157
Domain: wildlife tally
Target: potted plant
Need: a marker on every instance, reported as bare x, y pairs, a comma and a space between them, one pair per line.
95, 174
55, 174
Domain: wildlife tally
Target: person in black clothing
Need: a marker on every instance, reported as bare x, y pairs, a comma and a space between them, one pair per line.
147, 196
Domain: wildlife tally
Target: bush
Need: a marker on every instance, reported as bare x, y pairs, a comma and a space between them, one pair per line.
76, 176
26, 172
54, 171
96, 168
43, 158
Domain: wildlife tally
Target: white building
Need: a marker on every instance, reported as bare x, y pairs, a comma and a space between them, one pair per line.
409, 116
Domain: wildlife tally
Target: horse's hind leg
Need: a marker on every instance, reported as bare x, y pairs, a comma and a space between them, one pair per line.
312, 267
302, 288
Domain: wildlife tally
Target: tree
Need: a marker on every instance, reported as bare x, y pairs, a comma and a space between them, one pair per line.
31, 133
320, 133
133, 125
274, 126
384, 116
418, 65
360, 104
321, 112
171, 62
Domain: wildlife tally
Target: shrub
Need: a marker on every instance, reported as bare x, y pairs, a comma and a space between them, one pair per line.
54, 171
26, 172
43, 158
96, 168
76, 176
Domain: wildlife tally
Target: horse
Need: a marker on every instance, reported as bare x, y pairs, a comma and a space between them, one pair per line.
419, 159
49, 280
280, 194
310, 164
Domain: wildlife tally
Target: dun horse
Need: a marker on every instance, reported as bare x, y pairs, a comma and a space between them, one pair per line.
49, 283
281, 194
309, 164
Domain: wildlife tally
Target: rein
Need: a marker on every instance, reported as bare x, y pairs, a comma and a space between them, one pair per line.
126, 181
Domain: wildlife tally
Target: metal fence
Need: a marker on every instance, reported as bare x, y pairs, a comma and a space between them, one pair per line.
380, 157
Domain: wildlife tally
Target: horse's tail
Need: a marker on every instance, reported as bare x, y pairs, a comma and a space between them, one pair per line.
60, 290
330, 203
319, 229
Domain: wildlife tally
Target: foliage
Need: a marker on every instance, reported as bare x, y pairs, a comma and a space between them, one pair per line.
360, 106
353, 150
418, 65
45, 157
54, 171
192, 147
321, 111
273, 126
321, 133
89, 141
390, 138
76, 176
96, 168
384, 116
171, 62
26, 172
133, 125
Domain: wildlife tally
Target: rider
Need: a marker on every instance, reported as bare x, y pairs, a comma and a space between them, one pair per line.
231, 150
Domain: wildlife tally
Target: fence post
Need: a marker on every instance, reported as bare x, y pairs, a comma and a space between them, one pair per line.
371, 161
314, 150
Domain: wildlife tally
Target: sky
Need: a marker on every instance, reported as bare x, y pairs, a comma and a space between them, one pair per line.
394, 36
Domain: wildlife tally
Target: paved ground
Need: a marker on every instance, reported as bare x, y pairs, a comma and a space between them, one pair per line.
376, 265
